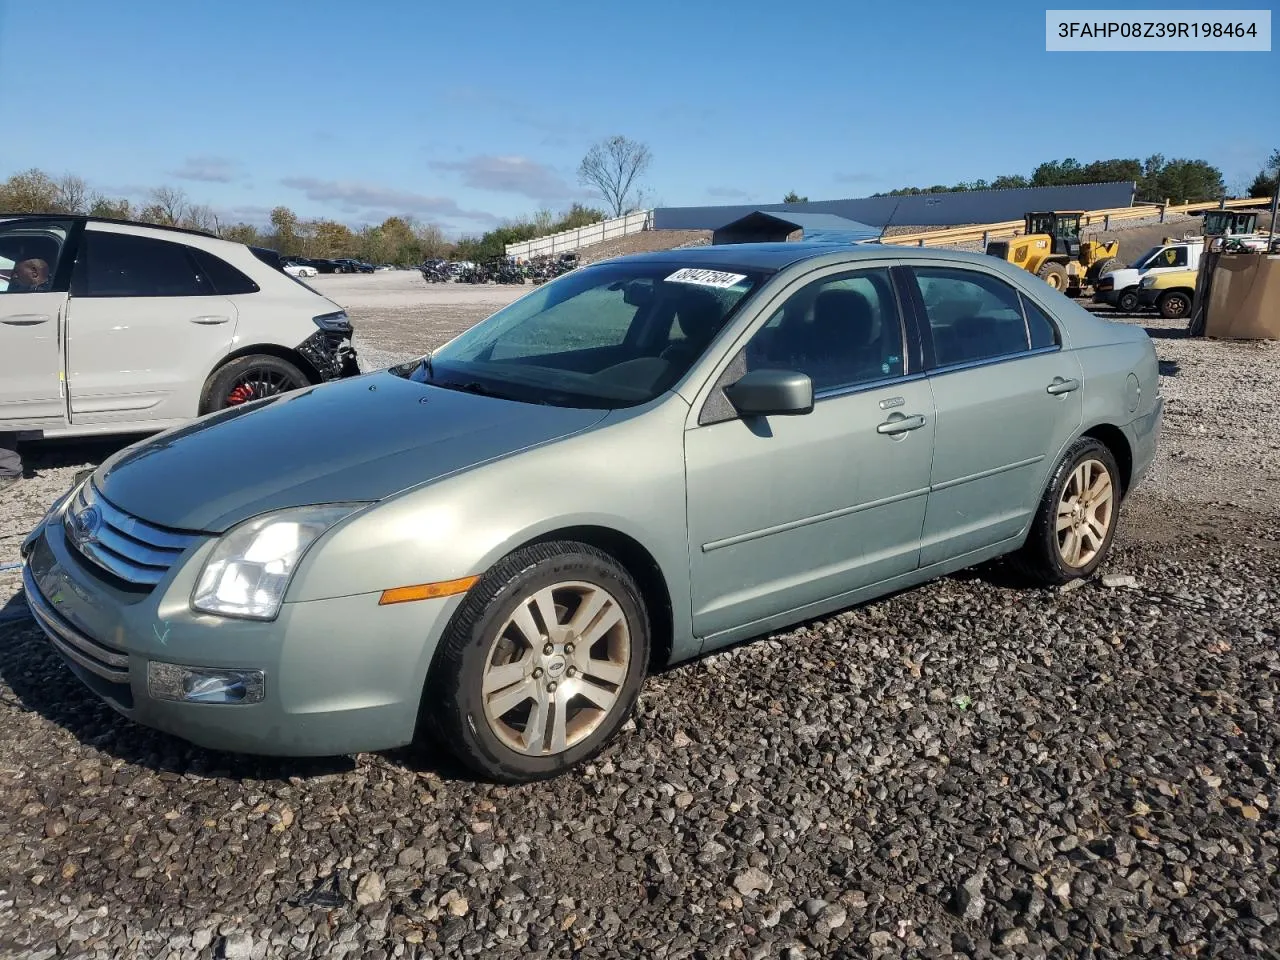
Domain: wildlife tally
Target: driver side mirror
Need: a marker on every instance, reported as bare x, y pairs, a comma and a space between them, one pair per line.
765, 393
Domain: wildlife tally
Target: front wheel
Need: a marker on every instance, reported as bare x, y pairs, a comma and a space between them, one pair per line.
1054, 274
1174, 305
250, 378
542, 663
1127, 302
1075, 523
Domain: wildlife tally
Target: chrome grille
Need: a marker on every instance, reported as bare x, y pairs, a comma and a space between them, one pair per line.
128, 548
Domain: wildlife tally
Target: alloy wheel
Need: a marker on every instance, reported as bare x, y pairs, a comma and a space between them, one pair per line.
556, 669
258, 382
1085, 512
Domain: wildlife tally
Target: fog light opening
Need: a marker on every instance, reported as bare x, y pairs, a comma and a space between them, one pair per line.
171, 681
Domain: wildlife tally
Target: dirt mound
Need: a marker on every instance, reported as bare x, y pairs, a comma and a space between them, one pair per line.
642, 242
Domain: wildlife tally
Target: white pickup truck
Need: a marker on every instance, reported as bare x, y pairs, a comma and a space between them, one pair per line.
1119, 288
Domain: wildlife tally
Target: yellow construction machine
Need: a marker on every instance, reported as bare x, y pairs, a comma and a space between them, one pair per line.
1051, 248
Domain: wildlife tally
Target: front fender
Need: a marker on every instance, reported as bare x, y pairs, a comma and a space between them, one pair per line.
625, 475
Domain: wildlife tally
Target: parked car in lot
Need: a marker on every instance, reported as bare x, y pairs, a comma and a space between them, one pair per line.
295, 269
1119, 288
1171, 293
643, 460
139, 328
347, 265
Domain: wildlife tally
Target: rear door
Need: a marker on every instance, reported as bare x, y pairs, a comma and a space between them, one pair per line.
34, 267
1008, 394
145, 327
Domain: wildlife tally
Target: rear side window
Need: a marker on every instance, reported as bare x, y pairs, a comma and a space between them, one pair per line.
226, 279
122, 265
973, 316
1044, 333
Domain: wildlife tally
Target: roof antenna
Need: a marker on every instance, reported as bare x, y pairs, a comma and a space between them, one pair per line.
889, 222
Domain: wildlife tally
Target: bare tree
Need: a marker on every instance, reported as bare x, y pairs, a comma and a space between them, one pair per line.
612, 167
73, 194
172, 204
200, 217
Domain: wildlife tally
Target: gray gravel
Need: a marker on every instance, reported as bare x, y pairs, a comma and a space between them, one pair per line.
973, 768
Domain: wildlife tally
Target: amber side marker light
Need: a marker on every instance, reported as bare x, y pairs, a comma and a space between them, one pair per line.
427, 591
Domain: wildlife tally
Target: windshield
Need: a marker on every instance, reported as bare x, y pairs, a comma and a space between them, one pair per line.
605, 336
1143, 260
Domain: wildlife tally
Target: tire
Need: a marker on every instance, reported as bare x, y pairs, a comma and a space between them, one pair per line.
1047, 556
1128, 302
485, 638
249, 378
1174, 305
1054, 274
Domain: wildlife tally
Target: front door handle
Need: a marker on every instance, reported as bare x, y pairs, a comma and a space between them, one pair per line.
1061, 385
26, 319
901, 424
210, 320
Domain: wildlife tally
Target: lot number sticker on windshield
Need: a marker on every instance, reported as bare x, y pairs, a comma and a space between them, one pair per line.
706, 278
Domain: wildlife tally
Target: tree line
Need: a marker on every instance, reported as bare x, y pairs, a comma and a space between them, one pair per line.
1178, 180
612, 168
401, 240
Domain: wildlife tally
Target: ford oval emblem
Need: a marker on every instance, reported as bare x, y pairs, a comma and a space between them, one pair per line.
85, 525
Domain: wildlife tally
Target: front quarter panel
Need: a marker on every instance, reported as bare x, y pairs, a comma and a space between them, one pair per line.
626, 475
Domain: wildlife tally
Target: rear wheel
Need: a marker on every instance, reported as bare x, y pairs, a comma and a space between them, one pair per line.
1174, 305
541, 665
250, 378
1075, 523
1054, 274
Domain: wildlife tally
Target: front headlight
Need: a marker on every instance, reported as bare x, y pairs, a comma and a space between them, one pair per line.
1146, 283
249, 570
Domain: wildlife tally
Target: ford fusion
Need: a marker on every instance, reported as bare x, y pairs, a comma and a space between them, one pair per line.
639, 462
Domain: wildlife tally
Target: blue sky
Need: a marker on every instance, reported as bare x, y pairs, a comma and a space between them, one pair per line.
463, 114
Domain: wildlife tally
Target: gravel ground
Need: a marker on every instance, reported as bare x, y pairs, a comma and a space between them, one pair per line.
973, 768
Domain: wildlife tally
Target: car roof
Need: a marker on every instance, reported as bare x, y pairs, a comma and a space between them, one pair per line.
777, 256
89, 218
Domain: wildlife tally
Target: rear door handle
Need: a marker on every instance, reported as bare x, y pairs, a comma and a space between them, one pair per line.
1061, 385
25, 319
210, 320
901, 424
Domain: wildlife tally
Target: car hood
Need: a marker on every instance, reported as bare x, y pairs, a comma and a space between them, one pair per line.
361, 439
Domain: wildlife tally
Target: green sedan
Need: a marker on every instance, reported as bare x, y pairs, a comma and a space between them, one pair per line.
640, 462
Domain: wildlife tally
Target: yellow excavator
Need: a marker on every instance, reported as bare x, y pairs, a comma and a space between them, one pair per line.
1051, 248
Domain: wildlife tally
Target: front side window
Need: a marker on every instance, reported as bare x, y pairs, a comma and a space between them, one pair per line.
606, 336
29, 255
972, 316
124, 265
841, 331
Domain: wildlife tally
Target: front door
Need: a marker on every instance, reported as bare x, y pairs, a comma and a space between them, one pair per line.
32, 303
788, 511
144, 329
1009, 398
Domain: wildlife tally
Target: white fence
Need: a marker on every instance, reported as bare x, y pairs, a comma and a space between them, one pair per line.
583, 236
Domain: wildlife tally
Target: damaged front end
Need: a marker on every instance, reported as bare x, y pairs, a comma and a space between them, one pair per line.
330, 349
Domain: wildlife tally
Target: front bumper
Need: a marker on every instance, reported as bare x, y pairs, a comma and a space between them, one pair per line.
332, 353
1109, 297
1148, 298
342, 675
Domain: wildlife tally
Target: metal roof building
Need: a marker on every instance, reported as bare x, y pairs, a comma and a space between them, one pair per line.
920, 210
761, 226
